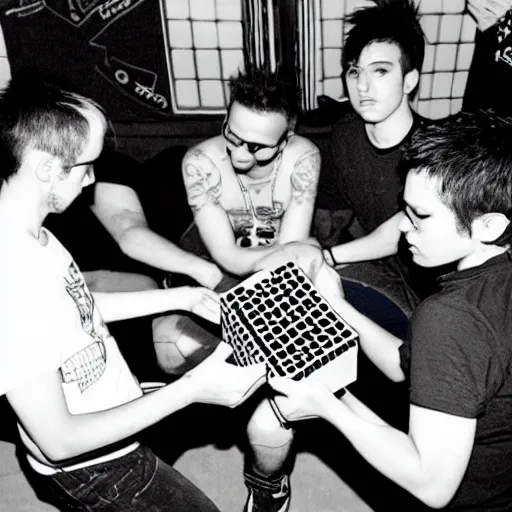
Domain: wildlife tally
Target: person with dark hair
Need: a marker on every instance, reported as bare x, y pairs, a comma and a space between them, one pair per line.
77, 404
457, 452
252, 191
358, 201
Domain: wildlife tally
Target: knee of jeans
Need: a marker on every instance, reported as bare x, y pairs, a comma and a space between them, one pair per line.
264, 429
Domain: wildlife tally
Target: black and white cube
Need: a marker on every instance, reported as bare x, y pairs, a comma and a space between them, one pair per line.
279, 318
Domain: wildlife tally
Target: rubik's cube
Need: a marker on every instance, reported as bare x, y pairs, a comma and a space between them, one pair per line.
279, 318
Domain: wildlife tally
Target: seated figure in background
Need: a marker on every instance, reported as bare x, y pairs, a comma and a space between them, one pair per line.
252, 191
360, 188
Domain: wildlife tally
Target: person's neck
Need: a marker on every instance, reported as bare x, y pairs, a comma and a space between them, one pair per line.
393, 130
480, 256
258, 173
21, 211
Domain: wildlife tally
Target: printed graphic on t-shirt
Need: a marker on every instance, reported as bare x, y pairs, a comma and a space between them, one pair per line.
504, 33
261, 229
86, 366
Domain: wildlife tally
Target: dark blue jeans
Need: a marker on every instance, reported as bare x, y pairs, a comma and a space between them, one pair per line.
137, 482
376, 306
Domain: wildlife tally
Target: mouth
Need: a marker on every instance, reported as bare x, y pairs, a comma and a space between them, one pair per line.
242, 166
366, 102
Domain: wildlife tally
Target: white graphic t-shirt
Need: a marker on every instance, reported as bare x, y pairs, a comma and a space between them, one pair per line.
49, 321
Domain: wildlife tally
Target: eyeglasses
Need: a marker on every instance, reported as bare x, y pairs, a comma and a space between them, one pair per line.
80, 164
89, 164
251, 147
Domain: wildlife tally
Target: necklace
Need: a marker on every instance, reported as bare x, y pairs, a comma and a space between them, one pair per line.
246, 192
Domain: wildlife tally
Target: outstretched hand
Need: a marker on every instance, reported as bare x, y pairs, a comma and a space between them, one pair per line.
202, 302
306, 254
300, 400
309, 257
218, 382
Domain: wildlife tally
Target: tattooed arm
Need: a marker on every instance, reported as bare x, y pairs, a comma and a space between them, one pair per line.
296, 224
119, 209
203, 184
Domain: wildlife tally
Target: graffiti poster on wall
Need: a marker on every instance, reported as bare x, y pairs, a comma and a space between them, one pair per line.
113, 50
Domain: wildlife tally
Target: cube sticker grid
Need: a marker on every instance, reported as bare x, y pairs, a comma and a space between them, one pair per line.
279, 318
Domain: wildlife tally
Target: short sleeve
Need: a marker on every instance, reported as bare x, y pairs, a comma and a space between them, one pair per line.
452, 368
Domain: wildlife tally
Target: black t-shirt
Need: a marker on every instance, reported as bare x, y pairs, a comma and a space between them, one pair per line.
369, 182
458, 354
362, 178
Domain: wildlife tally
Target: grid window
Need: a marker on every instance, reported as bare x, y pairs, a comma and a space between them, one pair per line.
205, 40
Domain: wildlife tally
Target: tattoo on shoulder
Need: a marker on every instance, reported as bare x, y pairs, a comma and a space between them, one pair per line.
304, 177
202, 180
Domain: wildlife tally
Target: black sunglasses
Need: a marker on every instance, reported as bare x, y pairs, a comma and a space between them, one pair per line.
251, 147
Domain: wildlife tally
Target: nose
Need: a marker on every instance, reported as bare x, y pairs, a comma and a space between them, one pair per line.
405, 224
362, 81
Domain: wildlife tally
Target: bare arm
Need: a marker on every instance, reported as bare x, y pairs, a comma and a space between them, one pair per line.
381, 242
379, 345
297, 220
123, 305
119, 209
204, 189
429, 461
41, 407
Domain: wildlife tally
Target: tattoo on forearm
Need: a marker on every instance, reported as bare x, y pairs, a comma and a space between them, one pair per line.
202, 180
304, 177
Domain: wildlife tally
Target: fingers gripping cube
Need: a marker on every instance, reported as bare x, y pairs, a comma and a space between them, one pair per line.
279, 318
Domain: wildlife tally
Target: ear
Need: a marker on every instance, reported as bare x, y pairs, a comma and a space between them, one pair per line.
44, 168
489, 226
411, 80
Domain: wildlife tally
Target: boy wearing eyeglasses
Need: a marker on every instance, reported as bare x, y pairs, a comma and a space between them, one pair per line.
78, 406
457, 452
